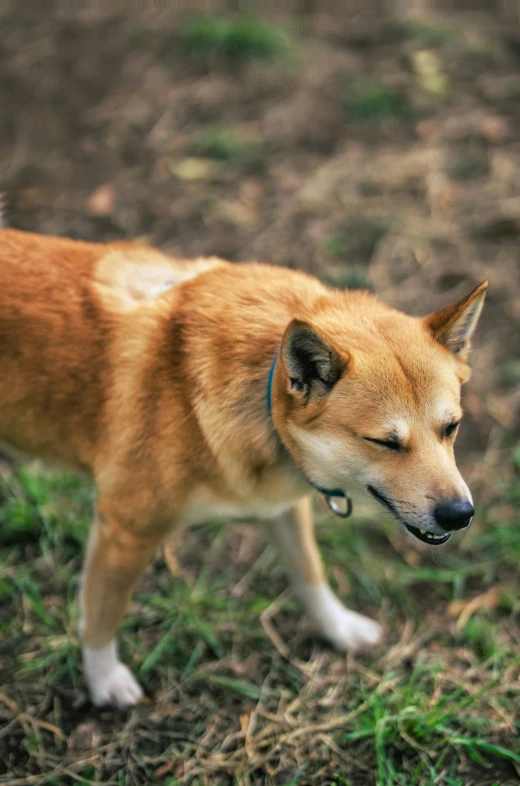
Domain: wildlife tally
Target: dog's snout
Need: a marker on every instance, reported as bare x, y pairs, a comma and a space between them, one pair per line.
454, 515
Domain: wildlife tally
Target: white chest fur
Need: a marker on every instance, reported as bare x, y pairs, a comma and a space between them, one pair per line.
206, 506
271, 494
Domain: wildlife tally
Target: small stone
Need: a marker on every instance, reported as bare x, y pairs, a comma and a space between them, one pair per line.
494, 128
85, 737
102, 201
195, 169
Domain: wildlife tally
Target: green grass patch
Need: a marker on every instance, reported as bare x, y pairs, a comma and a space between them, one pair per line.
230, 146
213, 39
34, 501
371, 100
510, 371
431, 34
357, 236
349, 277
401, 713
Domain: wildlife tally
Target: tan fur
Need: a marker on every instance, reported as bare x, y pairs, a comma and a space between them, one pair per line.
149, 374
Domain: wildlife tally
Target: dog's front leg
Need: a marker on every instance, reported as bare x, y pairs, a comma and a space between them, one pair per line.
115, 560
295, 538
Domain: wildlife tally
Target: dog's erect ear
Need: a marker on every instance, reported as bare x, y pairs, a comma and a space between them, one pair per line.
453, 326
311, 363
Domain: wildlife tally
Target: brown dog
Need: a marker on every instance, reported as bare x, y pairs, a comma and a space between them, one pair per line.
152, 375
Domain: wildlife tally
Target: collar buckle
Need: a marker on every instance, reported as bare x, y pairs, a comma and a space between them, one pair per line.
337, 509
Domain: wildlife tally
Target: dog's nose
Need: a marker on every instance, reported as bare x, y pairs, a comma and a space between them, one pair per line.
454, 515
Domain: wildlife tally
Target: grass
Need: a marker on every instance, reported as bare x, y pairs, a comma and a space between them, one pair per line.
228, 40
349, 277
430, 34
356, 238
510, 371
242, 692
369, 99
229, 146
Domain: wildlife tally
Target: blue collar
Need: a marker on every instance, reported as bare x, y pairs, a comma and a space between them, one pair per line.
269, 391
269, 401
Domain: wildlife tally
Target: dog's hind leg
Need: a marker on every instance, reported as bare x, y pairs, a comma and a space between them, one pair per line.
295, 538
115, 560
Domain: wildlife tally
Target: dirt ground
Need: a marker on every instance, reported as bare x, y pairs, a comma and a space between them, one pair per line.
372, 155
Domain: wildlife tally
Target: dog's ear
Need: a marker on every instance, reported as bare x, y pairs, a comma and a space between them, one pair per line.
311, 363
454, 325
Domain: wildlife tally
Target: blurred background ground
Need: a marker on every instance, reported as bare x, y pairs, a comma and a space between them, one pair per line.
371, 151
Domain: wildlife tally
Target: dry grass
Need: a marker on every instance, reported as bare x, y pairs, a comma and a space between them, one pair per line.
239, 690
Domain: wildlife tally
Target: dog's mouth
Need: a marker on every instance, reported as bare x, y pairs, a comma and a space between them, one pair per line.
421, 534
428, 537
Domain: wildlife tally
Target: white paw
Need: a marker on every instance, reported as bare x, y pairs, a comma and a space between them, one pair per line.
351, 631
346, 630
119, 688
109, 680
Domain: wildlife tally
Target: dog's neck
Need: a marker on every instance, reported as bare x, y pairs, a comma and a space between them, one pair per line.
327, 493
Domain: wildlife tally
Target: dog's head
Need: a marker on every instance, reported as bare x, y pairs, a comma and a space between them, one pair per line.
365, 392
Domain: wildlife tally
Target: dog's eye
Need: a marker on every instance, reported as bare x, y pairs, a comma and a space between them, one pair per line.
449, 430
389, 444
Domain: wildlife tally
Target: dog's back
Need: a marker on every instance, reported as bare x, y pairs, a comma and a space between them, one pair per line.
63, 306
52, 338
